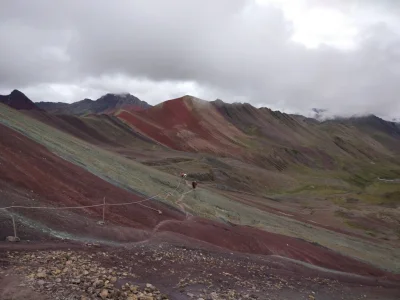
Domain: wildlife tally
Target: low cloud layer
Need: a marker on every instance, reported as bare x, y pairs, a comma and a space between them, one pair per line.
236, 50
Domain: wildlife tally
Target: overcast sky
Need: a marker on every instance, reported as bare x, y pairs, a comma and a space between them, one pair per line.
339, 55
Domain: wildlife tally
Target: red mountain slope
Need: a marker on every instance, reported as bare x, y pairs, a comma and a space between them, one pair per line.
29, 166
187, 123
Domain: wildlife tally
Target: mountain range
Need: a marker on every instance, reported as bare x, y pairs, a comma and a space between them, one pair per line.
105, 104
260, 135
310, 197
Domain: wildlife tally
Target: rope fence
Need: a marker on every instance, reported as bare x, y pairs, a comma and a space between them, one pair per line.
104, 204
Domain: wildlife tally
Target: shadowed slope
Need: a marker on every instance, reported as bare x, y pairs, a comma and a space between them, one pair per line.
103, 130
105, 104
385, 132
18, 100
275, 127
298, 140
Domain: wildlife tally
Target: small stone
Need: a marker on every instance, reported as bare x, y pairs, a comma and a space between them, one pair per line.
41, 275
84, 298
103, 294
150, 286
58, 280
85, 272
41, 282
214, 296
146, 298
190, 295
113, 279
57, 271
311, 297
12, 239
98, 283
133, 288
132, 297
76, 280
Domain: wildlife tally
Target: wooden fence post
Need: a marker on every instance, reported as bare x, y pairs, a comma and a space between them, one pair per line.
15, 228
104, 207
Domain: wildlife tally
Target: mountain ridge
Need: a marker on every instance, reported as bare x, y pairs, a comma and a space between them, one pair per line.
260, 134
107, 103
18, 100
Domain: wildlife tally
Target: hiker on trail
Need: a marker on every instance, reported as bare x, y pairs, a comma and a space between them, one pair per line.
194, 184
183, 175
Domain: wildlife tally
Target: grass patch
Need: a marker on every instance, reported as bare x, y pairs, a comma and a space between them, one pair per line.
355, 225
342, 214
317, 190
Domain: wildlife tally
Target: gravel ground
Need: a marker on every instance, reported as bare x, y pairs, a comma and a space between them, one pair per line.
165, 271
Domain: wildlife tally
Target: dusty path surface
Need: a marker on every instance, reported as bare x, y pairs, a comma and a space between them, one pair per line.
160, 270
178, 202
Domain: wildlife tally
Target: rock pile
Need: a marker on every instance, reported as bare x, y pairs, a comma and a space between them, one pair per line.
74, 276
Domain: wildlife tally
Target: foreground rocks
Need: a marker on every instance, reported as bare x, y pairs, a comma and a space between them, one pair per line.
68, 275
165, 271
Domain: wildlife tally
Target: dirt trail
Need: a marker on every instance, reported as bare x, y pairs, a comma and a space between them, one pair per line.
181, 205
397, 180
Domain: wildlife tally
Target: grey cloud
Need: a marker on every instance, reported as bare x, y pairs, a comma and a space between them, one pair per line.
230, 49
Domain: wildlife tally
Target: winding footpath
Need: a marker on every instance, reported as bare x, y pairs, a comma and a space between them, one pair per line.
182, 205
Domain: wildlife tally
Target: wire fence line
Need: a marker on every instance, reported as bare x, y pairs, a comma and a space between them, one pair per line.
82, 206
104, 204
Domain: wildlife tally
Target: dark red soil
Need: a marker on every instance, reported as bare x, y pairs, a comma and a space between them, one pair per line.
31, 167
180, 124
251, 240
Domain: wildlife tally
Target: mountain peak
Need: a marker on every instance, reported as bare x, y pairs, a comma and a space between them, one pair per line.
117, 95
16, 93
18, 100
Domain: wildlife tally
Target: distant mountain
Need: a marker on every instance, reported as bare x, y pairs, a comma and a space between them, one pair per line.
385, 132
319, 113
108, 103
186, 123
18, 100
374, 123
